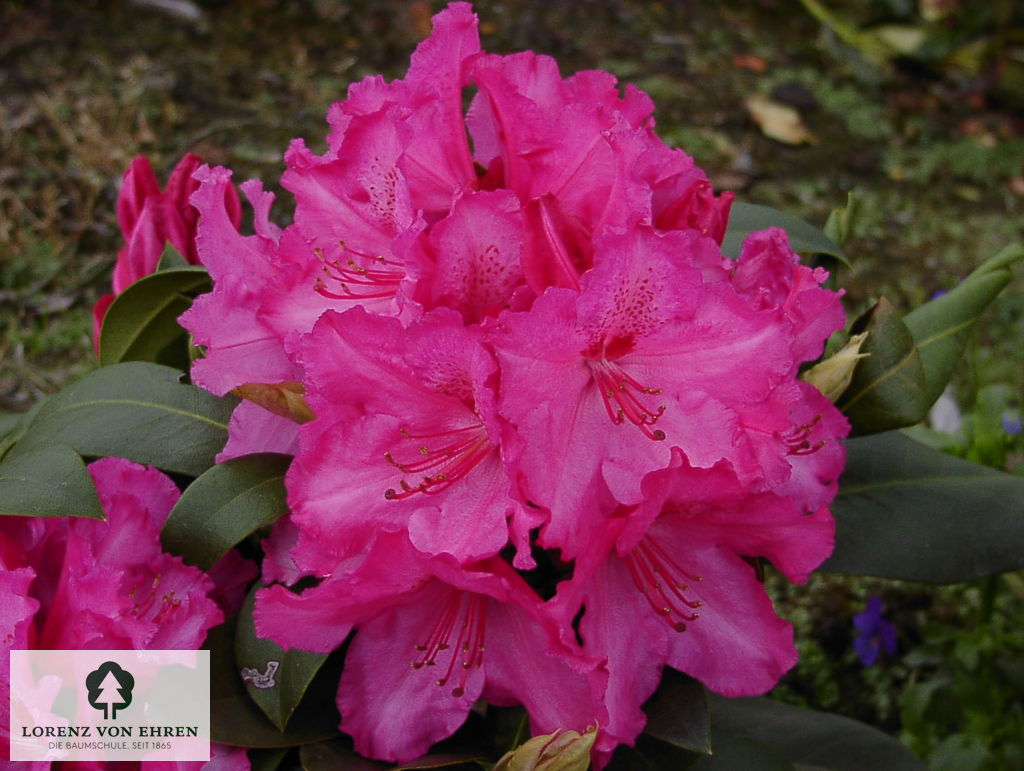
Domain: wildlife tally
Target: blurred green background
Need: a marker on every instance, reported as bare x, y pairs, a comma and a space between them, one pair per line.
915, 107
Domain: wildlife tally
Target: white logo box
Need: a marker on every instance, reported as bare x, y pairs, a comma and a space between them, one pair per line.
110, 705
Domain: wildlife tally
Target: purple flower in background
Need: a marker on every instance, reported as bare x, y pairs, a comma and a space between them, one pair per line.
873, 632
1012, 424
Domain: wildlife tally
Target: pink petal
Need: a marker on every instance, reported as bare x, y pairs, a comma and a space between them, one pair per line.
99, 312
768, 273
612, 604
425, 457
240, 346
253, 429
139, 184
393, 710
477, 262
527, 664
738, 646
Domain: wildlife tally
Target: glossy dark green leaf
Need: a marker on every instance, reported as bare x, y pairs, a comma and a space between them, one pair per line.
678, 713
335, 755
732, 752
746, 218
143, 320
943, 326
15, 428
737, 752
275, 679
226, 504
137, 411
47, 480
910, 512
888, 388
8, 421
171, 259
807, 737
267, 759
650, 754
456, 760
234, 718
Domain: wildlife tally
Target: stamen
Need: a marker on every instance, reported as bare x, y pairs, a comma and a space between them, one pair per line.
797, 439
369, 278
452, 456
659, 579
151, 604
619, 393
467, 612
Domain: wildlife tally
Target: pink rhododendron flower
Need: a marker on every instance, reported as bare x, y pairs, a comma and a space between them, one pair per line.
431, 639
406, 437
150, 218
601, 384
82, 583
672, 570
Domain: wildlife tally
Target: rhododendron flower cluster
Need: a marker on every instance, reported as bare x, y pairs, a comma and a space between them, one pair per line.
71, 584
552, 424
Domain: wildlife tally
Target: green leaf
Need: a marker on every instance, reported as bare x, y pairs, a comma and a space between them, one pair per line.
267, 759
807, 737
887, 390
338, 755
943, 326
735, 752
171, 259
143, 319
1004, 259
278, 679
13, 433
906, 511
651, 754
874, 48
47, 480
8, 422
746, 218
225, 505
335, 755
136, 411
678, 713
234, 718
443, 760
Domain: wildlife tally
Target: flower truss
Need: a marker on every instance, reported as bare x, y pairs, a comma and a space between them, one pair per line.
519, 345
89, 584
504, 426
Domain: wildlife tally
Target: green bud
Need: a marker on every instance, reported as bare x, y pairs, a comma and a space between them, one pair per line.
832, 376
560, 751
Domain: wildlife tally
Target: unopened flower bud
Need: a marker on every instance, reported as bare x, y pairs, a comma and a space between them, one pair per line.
560, 751
831, 376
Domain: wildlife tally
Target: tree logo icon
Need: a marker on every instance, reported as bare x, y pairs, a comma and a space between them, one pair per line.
110, 688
